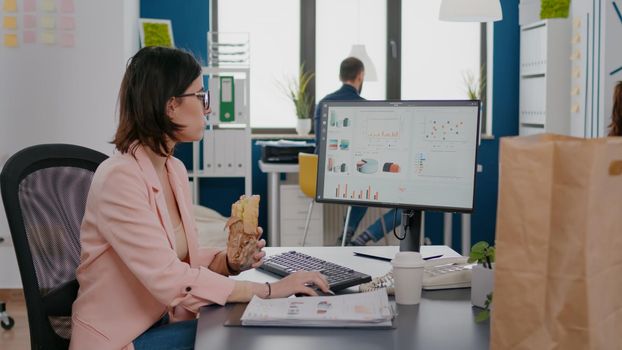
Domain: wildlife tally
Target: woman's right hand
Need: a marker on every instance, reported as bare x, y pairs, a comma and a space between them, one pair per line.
299, 282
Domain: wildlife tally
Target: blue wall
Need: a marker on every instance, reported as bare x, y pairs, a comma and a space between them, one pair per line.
190, 20
505, 119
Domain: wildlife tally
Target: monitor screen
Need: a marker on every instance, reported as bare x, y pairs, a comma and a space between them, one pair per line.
408, 154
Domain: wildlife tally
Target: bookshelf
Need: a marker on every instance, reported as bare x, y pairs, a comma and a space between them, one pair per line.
544, 76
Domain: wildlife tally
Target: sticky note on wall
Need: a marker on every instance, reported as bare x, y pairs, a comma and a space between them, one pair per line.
66, 6
30, 37
10, 40
67, 39
9, 22
67, 23
30, 5
48, 22
10, 5
30, 21
48, 5
48, 38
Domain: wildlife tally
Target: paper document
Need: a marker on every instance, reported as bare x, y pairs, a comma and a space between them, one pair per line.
351, 310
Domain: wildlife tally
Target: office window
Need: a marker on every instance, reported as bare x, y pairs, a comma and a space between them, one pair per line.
436, 55
339, 25
274, 27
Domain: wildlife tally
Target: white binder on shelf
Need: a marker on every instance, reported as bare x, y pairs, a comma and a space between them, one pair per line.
208, 152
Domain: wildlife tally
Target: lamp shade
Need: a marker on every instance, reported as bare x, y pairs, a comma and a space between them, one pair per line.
360, 52
470, 11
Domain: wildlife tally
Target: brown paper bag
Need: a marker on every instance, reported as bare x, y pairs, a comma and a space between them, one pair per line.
558, 278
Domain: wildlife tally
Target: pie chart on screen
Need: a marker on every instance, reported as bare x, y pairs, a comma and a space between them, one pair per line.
367, 166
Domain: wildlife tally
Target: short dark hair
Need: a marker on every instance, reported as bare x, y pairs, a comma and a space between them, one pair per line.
152, 77
350, 68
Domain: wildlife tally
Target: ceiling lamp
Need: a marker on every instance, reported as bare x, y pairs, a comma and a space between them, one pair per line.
470, 11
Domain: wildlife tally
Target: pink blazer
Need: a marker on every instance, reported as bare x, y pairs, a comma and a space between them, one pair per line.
129, 273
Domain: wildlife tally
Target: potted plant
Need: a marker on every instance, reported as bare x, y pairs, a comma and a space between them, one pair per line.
482, 278
297, 89
475, 86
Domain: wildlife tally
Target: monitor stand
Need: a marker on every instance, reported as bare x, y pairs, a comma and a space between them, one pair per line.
411, 222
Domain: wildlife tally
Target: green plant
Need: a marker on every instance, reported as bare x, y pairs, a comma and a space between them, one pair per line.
485, 314
483, 254
296, 89
475, 87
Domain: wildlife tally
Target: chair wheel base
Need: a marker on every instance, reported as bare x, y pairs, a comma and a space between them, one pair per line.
10, 322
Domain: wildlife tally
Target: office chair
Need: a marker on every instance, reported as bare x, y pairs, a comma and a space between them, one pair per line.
307, 176
307, 180
44, 191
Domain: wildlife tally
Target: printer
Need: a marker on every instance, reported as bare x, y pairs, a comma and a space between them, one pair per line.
284, 151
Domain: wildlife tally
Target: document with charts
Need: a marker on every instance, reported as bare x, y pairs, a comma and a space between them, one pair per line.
350, 310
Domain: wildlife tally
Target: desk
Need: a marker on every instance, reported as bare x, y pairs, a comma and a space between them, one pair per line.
443, 319
274, 171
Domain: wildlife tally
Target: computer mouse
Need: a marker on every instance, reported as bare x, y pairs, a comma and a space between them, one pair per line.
319, 292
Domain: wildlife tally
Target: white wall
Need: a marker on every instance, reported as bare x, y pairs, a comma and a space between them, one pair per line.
69, 95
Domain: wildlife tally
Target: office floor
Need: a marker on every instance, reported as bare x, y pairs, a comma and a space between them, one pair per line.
18, 337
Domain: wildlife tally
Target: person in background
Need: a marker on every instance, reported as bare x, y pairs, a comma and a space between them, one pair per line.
352, 75
615, 128
375, 231
142, 275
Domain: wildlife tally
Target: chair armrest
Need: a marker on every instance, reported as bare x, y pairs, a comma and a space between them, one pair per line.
58, 302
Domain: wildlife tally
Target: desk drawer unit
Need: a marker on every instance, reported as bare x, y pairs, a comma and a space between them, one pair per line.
293, 212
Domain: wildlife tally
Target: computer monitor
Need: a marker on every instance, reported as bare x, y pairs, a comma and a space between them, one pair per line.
416, 155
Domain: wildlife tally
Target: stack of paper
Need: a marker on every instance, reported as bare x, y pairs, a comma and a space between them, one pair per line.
352, 310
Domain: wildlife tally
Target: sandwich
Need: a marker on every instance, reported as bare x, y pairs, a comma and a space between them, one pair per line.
243, 235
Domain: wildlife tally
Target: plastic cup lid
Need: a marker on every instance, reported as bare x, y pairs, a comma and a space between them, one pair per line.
407, 259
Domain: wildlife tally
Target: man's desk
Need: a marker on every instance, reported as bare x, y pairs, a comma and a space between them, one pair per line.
274, 171
443, 320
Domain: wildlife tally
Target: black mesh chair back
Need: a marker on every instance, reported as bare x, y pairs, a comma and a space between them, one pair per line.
44, 191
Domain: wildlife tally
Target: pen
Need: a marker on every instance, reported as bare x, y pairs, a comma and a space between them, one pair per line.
432, 257
389, 259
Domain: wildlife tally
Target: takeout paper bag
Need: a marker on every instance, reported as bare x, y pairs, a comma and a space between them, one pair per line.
558, 277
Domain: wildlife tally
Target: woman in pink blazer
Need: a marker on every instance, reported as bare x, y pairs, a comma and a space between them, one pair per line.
142, 275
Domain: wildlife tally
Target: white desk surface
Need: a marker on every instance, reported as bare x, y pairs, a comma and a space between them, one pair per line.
443, 320
345, 256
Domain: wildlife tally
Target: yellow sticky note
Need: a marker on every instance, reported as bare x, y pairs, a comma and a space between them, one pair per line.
9, 22
10, 5
48, 22
10, 40
48, 6
48, 38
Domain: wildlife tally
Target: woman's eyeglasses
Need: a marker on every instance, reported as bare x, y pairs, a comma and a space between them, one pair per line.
201, 95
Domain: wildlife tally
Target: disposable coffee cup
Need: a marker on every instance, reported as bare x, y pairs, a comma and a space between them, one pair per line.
408, 277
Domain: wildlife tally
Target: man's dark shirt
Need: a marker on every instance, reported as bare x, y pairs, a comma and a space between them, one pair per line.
345, 93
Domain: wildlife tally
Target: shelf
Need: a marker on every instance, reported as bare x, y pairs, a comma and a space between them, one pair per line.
205, 175
533, 75
533, 125
544, 75
533, 25
225, 150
